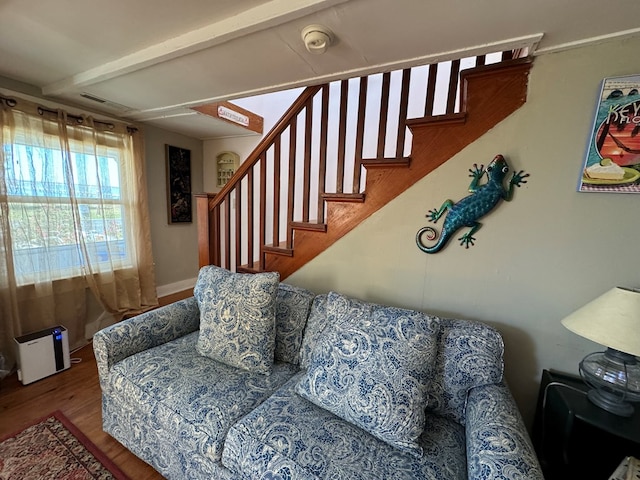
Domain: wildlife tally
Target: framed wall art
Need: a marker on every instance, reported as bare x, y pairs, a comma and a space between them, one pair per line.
612, 162
178, 162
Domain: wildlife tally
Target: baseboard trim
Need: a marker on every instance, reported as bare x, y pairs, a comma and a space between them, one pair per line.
177, 287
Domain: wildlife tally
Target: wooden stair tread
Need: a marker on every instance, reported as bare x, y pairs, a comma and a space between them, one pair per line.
344, 197
280, 249
440, 120
369, 163
309, 226
253, 268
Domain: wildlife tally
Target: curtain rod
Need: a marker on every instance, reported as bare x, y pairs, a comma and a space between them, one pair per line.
12, 102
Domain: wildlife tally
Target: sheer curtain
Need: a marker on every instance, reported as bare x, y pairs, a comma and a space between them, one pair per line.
73, 218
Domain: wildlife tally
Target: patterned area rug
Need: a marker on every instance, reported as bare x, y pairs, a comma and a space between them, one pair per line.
54, 448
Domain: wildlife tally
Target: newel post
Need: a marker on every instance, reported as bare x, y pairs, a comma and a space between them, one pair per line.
207, 244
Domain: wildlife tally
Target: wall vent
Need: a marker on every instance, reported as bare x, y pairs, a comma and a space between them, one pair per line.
93, 97
107, 105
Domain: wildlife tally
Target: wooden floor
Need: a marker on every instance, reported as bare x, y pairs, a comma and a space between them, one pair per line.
75, 392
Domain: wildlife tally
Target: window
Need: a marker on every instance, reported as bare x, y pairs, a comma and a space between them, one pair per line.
54, 199
74, 222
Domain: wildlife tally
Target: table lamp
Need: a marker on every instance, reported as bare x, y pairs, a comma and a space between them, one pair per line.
612, 320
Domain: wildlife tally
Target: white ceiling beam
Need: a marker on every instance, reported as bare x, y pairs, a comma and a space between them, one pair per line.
267, 15
588, 41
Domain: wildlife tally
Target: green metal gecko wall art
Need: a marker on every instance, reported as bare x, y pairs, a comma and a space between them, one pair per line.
471, 208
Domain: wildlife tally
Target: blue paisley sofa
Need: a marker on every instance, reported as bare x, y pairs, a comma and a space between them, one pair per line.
256, 379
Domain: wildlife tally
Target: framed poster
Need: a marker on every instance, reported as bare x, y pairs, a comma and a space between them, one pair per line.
612, 163
178, 184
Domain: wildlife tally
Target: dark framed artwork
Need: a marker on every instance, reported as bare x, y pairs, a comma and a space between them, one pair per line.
178, 184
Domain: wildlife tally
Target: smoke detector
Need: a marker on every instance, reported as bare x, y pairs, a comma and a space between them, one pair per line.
317, 38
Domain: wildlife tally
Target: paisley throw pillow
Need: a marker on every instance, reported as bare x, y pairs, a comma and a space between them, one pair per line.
292, 308
237, 317
470, 354
372, 368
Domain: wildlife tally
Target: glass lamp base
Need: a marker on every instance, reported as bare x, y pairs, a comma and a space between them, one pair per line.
614, 378
610, 402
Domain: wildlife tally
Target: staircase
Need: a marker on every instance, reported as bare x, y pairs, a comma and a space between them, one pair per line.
344, 150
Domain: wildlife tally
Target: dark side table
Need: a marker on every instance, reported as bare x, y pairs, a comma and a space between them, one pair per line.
576, 439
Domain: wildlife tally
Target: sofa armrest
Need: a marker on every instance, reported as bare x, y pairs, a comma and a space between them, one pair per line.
142, 332
498, 445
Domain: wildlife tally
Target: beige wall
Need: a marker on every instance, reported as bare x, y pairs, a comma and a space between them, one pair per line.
270, 106
243, 146
175, 246
537, 258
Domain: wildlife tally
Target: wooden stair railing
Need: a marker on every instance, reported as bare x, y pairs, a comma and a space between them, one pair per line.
214, 237
340, 153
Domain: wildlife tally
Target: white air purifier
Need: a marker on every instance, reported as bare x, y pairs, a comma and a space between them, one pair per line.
41, 354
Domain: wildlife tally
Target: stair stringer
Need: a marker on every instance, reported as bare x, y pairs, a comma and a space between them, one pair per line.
489, 95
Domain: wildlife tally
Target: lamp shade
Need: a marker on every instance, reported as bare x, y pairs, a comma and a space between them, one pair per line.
612, 320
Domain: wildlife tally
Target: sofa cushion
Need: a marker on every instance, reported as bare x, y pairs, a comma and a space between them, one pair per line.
290, 437
372, 368
470, 354
237, 317
292, 308
314, 330
186, 397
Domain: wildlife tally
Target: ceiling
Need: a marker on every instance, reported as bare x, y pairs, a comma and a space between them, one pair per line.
150, 60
